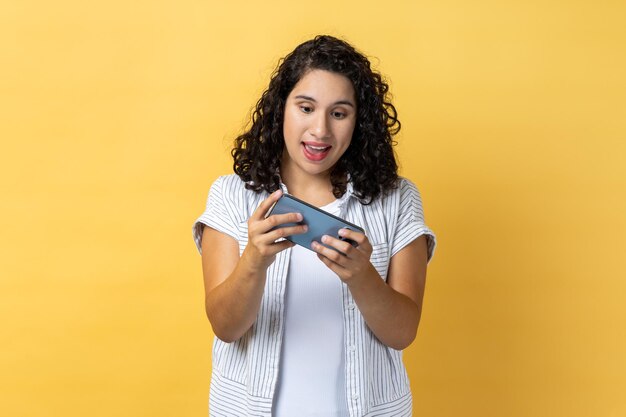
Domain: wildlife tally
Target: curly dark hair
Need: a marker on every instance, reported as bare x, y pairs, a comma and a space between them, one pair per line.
369, 160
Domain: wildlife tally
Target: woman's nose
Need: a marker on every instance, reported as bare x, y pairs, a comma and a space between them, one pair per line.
320, 128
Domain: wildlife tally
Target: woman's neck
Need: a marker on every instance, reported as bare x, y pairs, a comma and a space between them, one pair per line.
314, 189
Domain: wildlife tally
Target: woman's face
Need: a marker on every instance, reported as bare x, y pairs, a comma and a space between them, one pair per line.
320, 115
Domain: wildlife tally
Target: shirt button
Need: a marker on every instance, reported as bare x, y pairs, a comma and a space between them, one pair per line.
351, 348
355, 397
351, 306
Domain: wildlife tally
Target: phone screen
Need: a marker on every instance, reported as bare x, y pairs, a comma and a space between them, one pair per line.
319, 222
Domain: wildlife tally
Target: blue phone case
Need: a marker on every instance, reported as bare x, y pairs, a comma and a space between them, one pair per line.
319, 222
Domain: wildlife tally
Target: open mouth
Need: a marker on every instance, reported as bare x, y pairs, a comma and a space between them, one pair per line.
315, 152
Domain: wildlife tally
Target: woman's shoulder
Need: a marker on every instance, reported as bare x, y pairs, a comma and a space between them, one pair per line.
405, 182
229, 183
406, 186
232, 185
231, 189
403, 189
396, 199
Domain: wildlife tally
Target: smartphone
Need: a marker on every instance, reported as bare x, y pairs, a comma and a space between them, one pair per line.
319, 222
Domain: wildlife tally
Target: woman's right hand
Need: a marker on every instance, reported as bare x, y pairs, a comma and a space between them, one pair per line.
262, 246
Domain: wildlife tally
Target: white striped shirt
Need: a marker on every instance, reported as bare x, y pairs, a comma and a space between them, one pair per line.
245, 372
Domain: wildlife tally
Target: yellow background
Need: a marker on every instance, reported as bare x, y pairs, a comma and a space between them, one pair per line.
115, 117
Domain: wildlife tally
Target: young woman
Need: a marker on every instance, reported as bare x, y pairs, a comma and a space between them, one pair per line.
314, 331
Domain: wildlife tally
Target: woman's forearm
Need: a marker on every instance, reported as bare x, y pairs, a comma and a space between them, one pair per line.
233, 305
391, 316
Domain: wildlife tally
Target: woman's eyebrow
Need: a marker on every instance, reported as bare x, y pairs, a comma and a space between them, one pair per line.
346, 102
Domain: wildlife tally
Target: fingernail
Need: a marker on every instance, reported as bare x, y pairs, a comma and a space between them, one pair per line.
324, 238
342, 232
299, 216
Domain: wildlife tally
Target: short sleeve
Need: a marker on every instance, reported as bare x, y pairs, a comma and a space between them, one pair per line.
410, 224
218, 214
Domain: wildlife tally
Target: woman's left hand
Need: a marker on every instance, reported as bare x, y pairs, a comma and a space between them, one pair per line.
348, 262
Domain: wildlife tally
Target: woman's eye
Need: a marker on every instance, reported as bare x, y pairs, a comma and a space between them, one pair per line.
338, 115
306, 109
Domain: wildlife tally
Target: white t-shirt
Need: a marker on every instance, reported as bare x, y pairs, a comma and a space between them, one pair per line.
311, 376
